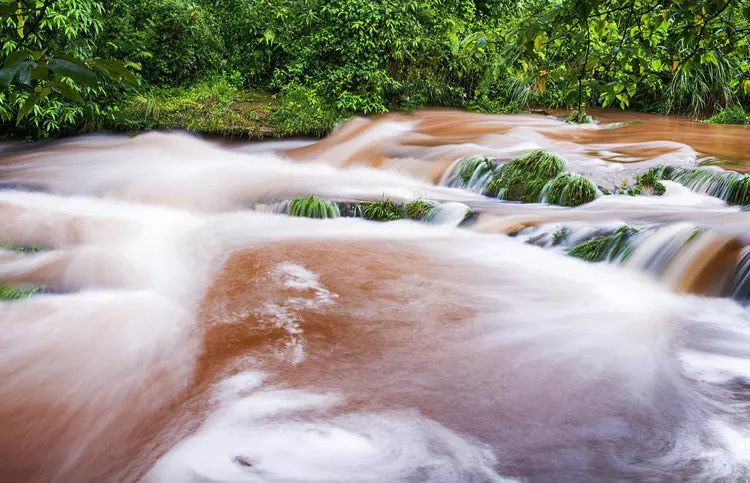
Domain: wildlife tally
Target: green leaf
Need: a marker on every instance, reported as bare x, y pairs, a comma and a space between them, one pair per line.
40, 72
31, 102
18, 56
19, 70
75, 70
113, 69
66, 91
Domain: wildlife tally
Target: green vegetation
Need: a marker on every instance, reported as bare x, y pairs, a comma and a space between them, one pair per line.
418, 209
20, 248
615, 245
8, 293
213, 65
313, 207
569, 189
648, 183
384, 210
212, 106
523, 179
730, 115
579, 117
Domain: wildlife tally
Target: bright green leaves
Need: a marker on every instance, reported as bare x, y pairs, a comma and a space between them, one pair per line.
612, 52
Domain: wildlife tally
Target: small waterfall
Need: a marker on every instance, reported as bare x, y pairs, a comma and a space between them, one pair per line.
741, 284
683, 256
451, 213
734, 188
472, 174
687, 258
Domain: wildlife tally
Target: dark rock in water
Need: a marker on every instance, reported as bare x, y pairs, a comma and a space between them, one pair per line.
10, 186
240, 460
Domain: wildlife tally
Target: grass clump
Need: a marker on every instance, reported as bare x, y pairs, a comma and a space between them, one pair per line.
523, 179
418, 210
649, 183
569, 189
20, 248
730, 115
9, 293
607, 247
384, 210
313, 207
213, 106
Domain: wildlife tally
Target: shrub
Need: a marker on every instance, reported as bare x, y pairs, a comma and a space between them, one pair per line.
569, 189
174, 41
730, 115
304, 112
313, 207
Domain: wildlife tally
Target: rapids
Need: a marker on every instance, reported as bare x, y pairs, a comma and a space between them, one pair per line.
189, 330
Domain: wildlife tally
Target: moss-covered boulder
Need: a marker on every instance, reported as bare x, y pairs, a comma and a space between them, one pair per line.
569, 189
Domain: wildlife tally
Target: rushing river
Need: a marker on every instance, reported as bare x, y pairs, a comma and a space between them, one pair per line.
189, 332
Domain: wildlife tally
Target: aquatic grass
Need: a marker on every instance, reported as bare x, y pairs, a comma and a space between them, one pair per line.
313, 207
569, 189
9, 293
524, 178
615, 245
20, 248
734, 188
384, 210
418, 210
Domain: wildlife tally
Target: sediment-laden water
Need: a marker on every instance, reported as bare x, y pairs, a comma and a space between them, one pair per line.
184, 327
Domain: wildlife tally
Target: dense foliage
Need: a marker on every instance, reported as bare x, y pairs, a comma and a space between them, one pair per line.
328, 59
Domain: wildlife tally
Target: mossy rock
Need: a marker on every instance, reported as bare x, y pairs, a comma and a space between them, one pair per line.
607, 247
313, 207
569, 189
524, 178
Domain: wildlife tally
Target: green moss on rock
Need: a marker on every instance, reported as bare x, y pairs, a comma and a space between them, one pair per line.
524, 178
569, 189
607, 247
